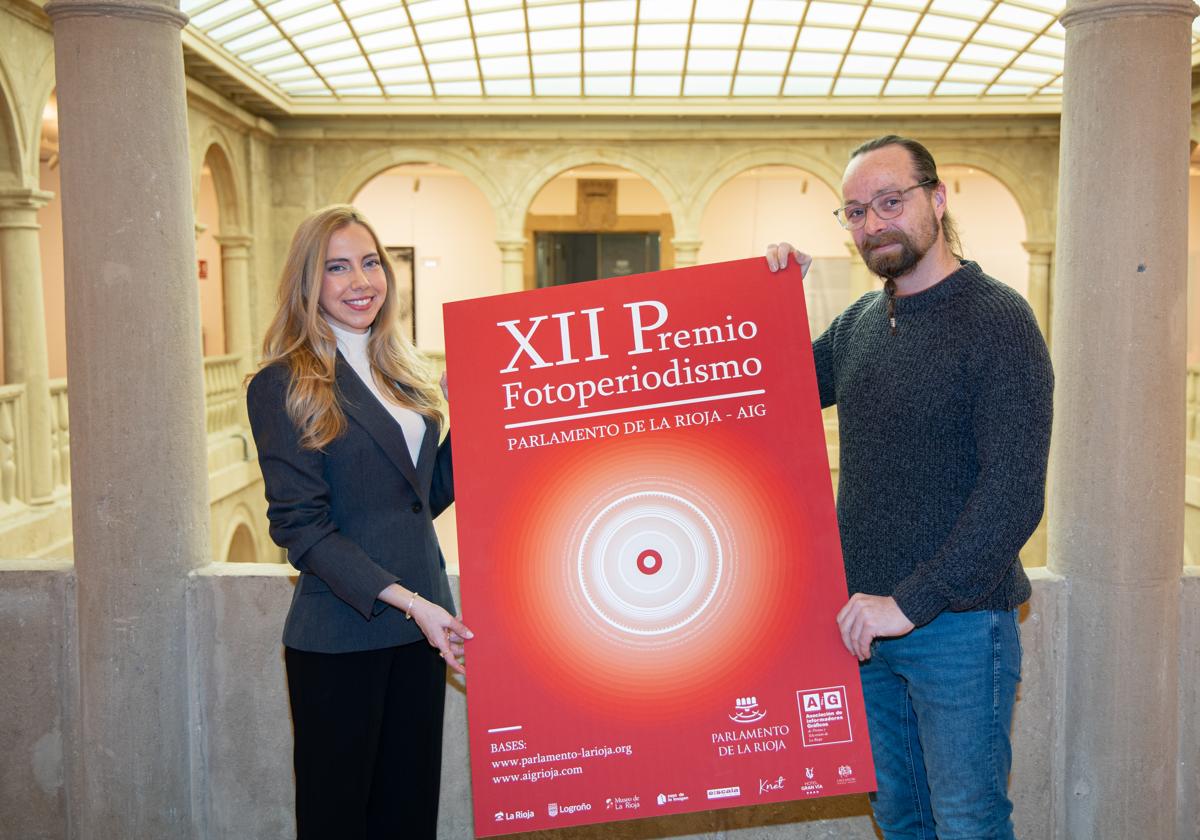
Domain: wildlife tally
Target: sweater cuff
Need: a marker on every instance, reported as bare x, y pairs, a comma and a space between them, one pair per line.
919, 601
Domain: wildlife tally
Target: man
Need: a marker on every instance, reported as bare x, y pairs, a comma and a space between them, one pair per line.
943, 387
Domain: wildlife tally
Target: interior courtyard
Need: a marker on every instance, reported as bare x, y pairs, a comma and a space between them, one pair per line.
156, 156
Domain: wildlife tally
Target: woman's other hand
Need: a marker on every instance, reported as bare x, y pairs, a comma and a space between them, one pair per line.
777, 257
443, 631
445, 383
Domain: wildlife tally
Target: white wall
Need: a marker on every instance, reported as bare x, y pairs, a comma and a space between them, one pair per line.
781, 203
635, 195
449, 222
771, 204
212, 290
557, 198
50, 237
990, 224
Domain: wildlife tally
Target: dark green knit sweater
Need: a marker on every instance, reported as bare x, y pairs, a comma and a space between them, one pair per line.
945, 429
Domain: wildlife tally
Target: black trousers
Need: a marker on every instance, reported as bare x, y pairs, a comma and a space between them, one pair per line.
368, 741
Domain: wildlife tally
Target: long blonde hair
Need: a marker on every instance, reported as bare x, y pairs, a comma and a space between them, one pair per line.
300, 337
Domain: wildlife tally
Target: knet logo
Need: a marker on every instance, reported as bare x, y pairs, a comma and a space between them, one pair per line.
746, 710
768, 785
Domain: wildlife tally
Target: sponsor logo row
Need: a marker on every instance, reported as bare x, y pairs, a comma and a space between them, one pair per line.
810, 786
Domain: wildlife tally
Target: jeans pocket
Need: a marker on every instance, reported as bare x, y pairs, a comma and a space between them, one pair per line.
1019, 648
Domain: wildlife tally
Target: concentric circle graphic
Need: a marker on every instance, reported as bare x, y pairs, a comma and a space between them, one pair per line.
649, 563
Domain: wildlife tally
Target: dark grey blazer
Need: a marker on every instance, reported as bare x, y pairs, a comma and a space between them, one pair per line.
354, 518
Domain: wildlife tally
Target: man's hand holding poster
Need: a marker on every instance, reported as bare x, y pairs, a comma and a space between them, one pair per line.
650, 556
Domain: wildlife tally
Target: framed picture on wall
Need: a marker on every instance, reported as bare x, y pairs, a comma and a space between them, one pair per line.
404, 262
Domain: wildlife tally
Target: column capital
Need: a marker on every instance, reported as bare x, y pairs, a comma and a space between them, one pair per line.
234, 245
146, 10
512, 248
1087, 11
1039, 247
687, 251
24, 199
18, 208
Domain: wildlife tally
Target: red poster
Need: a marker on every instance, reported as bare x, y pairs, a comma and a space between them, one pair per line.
649, 551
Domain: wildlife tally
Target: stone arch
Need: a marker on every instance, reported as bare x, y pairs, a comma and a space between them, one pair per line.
1029, 235
359, 176
216, 150
1038, 209
514, 224
43, 88
12, 167
240, 545
823, 169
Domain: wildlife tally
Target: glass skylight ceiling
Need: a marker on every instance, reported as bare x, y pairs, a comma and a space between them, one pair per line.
373, 50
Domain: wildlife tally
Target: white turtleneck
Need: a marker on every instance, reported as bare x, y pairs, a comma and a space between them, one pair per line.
354, 349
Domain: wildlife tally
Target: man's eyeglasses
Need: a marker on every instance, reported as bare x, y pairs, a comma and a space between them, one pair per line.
886, 206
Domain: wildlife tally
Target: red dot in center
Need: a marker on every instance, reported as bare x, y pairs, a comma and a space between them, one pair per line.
649, 561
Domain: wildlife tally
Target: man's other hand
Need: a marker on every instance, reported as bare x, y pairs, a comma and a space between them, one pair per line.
867, 617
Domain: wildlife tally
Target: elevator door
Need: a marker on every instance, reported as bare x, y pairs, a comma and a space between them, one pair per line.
575, 257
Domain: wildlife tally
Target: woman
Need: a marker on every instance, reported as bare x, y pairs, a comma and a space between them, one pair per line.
345, 418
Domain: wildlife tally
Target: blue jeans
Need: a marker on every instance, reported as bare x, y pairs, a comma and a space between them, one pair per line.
939, 705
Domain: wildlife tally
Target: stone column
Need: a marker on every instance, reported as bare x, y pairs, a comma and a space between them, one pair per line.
1041, 259
139, 483
861, 278
25, 357
235, 274
1117, 471
687, 251
512, 264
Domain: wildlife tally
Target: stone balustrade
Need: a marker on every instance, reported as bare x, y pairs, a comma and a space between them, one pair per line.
14, 478
60, 434
224, 400
225, 412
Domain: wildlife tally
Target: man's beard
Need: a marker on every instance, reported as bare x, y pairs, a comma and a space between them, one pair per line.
897, 264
